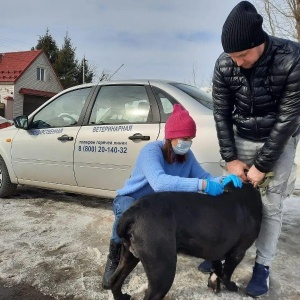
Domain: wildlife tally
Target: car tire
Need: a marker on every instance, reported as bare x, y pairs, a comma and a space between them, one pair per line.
7, 188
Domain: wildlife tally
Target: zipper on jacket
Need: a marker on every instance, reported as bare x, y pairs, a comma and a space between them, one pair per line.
251, 98
251, 95
252, 103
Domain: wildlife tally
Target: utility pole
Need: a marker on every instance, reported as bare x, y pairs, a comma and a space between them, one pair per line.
83, 69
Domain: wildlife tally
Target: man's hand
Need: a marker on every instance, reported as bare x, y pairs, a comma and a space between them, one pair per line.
238, 168
255, 176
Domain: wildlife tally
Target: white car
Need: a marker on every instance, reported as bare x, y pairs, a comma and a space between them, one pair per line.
86, 138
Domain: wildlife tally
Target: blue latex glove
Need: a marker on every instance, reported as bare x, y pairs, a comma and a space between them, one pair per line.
237, 182
213, 188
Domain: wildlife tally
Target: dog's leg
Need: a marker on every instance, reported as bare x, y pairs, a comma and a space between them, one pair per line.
214, 280
231, 262
160, 270
127, 263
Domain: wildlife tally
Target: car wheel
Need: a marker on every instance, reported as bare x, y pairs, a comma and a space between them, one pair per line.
7, 188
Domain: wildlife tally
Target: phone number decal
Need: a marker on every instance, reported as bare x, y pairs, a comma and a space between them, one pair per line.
103, 149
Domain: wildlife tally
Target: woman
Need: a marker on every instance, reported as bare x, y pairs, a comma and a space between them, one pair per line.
167, 165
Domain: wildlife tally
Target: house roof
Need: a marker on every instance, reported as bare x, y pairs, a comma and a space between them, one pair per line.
36, 93
8, 98
14, 64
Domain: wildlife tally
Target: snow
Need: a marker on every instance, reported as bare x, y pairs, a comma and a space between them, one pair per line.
58, 242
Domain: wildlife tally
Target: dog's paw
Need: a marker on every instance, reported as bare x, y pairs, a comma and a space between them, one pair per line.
125, 297
231, 286
214, 283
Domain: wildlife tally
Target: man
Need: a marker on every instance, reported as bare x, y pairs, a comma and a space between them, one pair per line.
256, 92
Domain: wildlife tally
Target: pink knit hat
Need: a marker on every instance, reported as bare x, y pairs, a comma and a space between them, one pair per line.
180, 124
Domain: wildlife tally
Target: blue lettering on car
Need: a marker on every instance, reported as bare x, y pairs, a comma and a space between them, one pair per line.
46, 131
112, 128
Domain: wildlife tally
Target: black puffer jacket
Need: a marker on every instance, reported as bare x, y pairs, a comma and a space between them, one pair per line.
265, 108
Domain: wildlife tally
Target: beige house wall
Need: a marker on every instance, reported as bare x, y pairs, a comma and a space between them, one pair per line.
29, 80
7, 90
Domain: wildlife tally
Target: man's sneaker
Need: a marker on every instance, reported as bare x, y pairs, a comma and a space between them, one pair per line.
205, 267
259, 283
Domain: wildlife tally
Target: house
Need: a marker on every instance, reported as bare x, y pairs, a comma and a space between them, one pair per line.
27, 80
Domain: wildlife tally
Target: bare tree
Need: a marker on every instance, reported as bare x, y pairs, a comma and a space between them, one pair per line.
200, 83
105, 76
281, 17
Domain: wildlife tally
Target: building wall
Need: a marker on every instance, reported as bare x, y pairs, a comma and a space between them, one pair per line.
9, 108
29, 80
7, 90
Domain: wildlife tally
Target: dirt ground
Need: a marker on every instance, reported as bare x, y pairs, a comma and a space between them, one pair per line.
21, 292
53, 245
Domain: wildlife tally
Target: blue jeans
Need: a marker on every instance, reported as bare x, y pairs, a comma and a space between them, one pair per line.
120, 204
280, 187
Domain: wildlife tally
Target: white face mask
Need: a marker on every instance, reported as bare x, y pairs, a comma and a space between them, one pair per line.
182, 147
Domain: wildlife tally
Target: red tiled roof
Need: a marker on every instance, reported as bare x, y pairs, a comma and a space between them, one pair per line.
36, 93
8, 98
13, 64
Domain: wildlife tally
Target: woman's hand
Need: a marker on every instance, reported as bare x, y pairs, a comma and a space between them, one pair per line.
237, 182
213, 188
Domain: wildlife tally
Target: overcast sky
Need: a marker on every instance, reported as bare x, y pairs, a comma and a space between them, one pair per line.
166, 39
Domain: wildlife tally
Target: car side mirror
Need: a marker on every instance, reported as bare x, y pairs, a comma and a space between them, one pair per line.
21, 122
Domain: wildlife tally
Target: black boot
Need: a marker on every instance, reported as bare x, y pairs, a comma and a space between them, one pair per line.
113, 259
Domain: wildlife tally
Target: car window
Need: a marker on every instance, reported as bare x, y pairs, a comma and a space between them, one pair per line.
202, 97
165, 103
62, 111
121, 104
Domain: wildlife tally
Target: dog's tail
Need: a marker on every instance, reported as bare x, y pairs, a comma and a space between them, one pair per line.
125, 223
125, 230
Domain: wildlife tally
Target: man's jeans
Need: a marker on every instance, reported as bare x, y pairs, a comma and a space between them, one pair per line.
120, 204
280, 187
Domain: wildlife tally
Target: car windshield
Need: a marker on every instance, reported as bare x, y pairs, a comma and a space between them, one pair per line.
202, 97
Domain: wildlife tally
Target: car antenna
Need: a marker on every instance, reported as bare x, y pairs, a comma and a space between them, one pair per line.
115, 72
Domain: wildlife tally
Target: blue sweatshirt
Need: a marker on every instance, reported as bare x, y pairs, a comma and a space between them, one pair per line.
152, 173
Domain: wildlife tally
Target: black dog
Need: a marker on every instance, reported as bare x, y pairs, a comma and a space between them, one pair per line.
158, 226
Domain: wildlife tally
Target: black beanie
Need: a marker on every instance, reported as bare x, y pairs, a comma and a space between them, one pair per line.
242, 29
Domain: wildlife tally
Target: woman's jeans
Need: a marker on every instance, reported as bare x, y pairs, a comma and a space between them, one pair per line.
120, 204
280, 187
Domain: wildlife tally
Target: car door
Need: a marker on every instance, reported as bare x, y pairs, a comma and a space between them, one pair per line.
120, 124
44, 153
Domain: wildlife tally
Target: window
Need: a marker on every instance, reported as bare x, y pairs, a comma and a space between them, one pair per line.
121, 104
202, 97
165, 103
62, 111
40, 74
